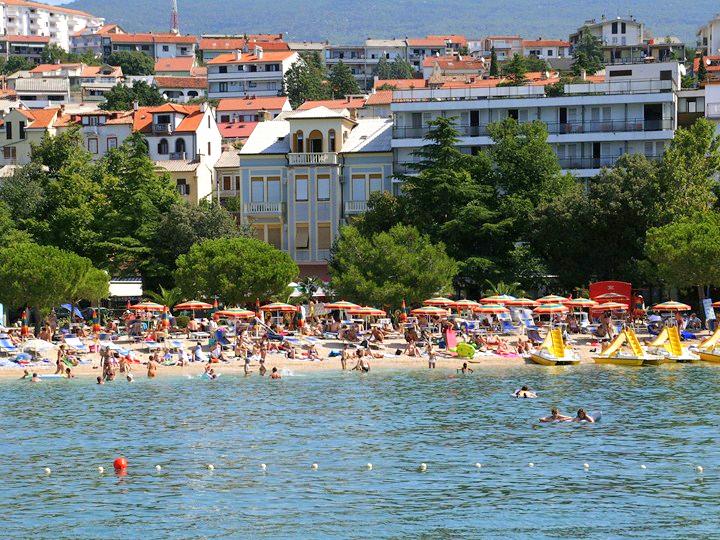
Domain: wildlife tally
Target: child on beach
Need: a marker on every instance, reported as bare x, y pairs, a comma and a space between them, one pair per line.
431, 354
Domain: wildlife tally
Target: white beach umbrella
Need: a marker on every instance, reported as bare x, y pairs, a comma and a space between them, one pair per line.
37, 345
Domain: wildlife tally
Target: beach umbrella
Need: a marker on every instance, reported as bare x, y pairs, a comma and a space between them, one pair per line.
366, 311
549, 309
96, 321
342, 304
497, 299
37, 345
430, 310
581, 303
403, 311
24, 330
235, 313
491, 309
521, 302
716, 304
671, 306
611, 296
465, 304
278, 306
147, 306
192, 305
438, 301
165, 318
552, 299
610, 306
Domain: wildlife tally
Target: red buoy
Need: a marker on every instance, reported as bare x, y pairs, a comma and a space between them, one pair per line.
120, 464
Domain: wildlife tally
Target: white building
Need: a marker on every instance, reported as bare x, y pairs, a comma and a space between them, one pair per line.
708, 37
633, 110
155, 45
546, 48
23, 18
89, 39
252, 72
622, 38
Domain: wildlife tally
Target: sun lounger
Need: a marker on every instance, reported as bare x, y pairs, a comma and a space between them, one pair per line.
534, 336
74, 344
151, 345
508, 327
7, 347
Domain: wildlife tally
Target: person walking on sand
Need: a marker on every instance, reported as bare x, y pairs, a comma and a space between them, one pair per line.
429, 349
344, 356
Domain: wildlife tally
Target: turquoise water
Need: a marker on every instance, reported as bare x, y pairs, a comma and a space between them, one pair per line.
665, 418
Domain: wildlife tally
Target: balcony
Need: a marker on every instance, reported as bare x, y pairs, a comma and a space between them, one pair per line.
178, 155
263, 209
162, 129
313, 158
554, 128
355, 207
596, 163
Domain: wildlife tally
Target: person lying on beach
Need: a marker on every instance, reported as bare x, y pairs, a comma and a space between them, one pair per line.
275, 374
503, 347
465, 369
523, 346
555, 416
582, 416
525, 392
411, 349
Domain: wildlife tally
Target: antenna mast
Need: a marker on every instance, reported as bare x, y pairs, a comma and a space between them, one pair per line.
174, 19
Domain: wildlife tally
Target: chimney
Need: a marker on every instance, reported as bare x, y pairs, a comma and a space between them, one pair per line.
136, 105
203, 106
258, 51
347, 98
238, 54
583, 75
264, 116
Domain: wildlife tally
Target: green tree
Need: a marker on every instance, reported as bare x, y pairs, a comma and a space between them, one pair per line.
383, 70
384, 211
53, 54
132, 62
239, 270
14, 64
166, 297
122, 98
587, 53
342, 81
388, 267
687, 251
57, 276
305, 81
494, 68
702, 70
401, 69
514, 70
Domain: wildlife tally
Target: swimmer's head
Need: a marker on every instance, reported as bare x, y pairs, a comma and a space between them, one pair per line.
274, 370
554, 411
524, 389
581, 413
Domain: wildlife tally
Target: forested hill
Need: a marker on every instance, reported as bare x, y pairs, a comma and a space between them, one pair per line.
344, 21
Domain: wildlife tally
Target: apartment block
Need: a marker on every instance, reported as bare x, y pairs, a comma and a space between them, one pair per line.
250, 72
155, 45
632, 109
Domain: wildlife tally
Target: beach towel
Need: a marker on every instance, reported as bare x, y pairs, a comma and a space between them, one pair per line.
450, 338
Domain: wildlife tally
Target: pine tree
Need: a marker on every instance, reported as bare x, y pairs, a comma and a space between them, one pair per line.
306, 81
702, 70
494, 71
383, 70
342, 82
587, 54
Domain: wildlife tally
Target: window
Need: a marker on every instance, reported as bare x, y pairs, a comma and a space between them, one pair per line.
209, 125
614, 28
375, 182
274, 236
224, 117
223, 87
623, 28
209, 148
92, 145
323, 187
237, 183
163, 118
163, 147
111, 143
323, 236
222, 69
273, 189
21, 130
301, 188
621, 73
302, 236
299, 142
183, 187
166, 48
227, 183
8, 130
666, 75
180, 146
257, 189
259, 233
357, 186
331, 141
9, 152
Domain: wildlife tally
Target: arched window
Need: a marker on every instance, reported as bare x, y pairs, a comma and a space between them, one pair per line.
315, 142
163, 147
299, 142
180, 146
331, 141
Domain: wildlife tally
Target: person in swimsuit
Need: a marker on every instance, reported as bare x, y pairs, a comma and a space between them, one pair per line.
344, 356
100, 380
362, 365
431, 354
35, 378
582, 416
525, 392
555, 416
152, 368
465, 369
275, 374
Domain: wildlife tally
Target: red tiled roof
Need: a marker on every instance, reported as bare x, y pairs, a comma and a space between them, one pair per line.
143, 117
231, 44
429, 41
236, 130
47, 7
545, 43
381, 97
44, 68
347, 103
95, 71
25, 39
43, 118
248, 58
401, 84
503, 37
712, 63
181, 63
151, 37
181, 82
199, 71
268, 103
453, 38
451, 62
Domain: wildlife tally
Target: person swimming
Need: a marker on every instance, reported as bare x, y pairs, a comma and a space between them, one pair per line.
100, 380
555, 416
582, 416
525, 392
465, 369
275, 374
35, 378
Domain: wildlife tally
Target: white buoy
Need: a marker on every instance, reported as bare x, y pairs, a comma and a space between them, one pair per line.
101, 469
263, 467
369, 466
158, 468
314, 466
211, 467
586, 465
478, 465
531, 464
699, 468
47, 470
422, 467
643, 466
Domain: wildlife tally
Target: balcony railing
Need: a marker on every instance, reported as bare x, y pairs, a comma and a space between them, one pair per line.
302, 255
596, 163
162, 128
355, 207
313, 158
178, 155
266, 208
554, 128
323, 254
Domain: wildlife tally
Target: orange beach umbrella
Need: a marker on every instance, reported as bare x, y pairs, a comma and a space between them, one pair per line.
671, 306
147, 306
430, 310
342, 304
278, 306
193, 305
497, 299
439, 301
235, 313
491, 308
548, 309
552, 299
